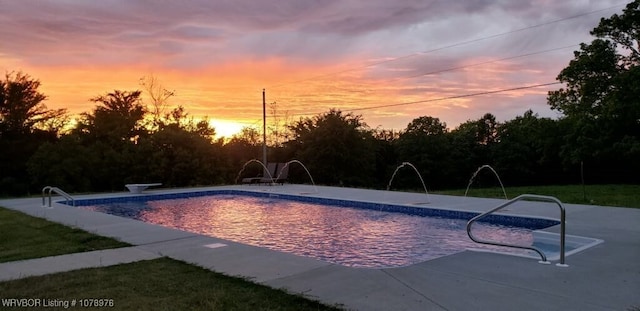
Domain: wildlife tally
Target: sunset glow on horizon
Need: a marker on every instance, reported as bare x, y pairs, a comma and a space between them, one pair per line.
390, 62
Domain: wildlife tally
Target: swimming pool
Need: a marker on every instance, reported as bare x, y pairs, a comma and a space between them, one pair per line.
350, 233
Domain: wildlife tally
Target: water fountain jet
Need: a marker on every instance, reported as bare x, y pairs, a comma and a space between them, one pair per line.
264, 167
494, 172
305, 168
417, 172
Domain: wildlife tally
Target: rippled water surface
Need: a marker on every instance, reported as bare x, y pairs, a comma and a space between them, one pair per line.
346, 236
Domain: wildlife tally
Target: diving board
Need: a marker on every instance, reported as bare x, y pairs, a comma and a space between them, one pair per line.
138, 188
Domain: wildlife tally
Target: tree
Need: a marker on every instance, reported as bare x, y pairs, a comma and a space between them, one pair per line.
118, 117
159, 97
21, 106
249, 137
67, 164
386, 156
624, 31
425, 144
25, 124
242, 147
180, 153
111, 147
277, 129
178, 157
527, 152
108, 135
337, 148
179, 118
472, 145
601, 101
428, 126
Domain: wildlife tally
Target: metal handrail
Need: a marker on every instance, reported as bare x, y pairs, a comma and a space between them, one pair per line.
512, 201
59, 191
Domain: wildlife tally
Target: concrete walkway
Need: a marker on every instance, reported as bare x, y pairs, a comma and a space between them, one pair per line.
604, 277
62, 263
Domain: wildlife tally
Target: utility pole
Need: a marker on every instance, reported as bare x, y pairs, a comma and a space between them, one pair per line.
264, 132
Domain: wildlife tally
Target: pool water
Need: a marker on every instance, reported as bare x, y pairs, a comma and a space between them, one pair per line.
347, 236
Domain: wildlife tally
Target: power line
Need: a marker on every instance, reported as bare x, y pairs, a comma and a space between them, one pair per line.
462, 67
447, 46
485, 62
458, 96
445, 98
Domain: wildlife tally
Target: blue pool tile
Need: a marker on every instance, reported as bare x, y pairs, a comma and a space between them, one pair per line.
514, 221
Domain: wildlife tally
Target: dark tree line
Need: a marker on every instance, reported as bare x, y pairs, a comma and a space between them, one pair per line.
123, 140
601, 100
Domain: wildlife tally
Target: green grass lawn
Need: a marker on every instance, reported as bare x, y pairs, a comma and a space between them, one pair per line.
607, 195
160, 284
25, 237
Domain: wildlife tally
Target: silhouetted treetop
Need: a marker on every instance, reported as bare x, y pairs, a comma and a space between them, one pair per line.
21, 105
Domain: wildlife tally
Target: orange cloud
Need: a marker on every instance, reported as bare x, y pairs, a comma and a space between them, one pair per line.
232, 92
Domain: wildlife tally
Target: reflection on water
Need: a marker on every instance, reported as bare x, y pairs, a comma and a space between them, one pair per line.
347, 236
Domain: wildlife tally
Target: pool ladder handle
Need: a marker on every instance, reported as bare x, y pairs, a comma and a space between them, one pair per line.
512, 201
59, 191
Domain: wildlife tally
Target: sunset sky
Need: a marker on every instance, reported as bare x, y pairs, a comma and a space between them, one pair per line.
309, 55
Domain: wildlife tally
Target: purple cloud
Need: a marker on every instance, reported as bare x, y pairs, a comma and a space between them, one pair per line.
419, 47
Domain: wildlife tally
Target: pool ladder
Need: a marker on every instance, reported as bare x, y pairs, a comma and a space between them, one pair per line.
534, 197
59, 191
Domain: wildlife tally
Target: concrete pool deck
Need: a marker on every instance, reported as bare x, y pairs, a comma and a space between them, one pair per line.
604, 277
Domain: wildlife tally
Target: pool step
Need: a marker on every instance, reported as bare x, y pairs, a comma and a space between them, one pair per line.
549, 243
